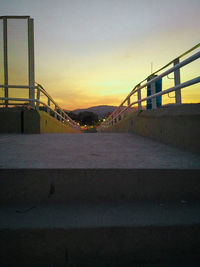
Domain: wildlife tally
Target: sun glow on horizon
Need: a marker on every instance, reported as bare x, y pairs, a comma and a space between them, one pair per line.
90, 53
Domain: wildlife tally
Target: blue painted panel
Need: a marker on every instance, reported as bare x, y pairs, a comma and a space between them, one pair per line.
158, 89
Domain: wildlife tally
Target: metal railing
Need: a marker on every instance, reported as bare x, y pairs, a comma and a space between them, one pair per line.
36, 103
121, 110
34, 89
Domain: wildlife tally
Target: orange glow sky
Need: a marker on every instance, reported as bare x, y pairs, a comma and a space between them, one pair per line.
92, 52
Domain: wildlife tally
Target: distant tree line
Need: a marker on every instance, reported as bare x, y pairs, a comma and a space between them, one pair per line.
84, 117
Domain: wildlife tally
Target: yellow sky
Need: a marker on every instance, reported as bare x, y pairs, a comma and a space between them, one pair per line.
91, 53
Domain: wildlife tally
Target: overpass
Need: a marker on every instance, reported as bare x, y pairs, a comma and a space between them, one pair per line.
128, 195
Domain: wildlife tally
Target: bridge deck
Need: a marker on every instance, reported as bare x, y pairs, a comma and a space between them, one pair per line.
92, 150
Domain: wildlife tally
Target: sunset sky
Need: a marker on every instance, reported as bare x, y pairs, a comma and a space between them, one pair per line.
93, 52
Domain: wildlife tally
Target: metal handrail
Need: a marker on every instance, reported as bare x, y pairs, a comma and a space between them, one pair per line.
32, 99
167, 65
61, 114
137, 89
169, 90
41, 88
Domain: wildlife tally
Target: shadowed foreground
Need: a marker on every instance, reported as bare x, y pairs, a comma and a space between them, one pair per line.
97, 200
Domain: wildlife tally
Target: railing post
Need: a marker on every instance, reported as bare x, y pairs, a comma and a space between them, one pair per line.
38, 98
61, 115
31, 60
5, 53
153, 91
118, 119
128, 101
49, 102
139, 98
59, 112
55, 115
177, 81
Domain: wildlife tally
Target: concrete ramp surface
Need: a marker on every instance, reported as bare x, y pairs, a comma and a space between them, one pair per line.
94, 150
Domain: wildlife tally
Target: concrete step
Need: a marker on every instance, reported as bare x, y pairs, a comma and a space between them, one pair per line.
97, 200
97, 185
107, 234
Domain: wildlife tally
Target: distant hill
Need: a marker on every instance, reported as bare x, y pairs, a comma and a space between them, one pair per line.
101, 111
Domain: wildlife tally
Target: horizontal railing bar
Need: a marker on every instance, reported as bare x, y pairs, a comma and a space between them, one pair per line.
11, 104
182, 55
39, 87
36, 100
48, 96
183, 63
68, 118
17, 99
17, 86
14, 17
165, 73
177, 87
177, 66
53, 111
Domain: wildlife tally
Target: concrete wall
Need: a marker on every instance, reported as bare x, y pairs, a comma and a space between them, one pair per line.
30, 122
10, 121
17, 120
48, 124
175, 125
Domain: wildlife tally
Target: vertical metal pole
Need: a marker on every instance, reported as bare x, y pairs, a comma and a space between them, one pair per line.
128, 103
48, 110
153, 91
55, 115
5, 52
38, 98
177, 81
139, 98
60, 112
31, 60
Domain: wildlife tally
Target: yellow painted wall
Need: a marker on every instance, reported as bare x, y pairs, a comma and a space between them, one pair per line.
48, 124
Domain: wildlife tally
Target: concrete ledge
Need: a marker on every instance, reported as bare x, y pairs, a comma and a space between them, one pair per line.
175, 125
18, 120
109, 246
83, 185
47, 215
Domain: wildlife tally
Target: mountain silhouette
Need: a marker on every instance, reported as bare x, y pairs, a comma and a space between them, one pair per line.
101, 111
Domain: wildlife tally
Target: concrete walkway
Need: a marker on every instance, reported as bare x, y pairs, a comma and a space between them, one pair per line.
107, 214
92, 150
